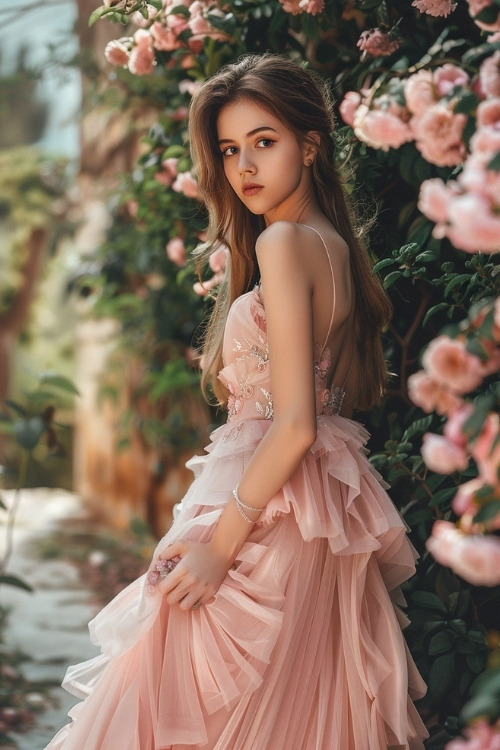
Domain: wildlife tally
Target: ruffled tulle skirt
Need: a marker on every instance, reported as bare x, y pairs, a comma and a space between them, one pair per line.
301, 648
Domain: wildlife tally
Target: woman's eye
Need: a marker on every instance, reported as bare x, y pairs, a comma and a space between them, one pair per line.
229, 151
265, 142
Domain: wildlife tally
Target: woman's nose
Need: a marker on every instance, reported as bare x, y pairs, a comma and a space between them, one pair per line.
245, 163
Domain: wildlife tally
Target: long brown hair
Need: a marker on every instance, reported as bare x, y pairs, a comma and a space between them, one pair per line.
301, 101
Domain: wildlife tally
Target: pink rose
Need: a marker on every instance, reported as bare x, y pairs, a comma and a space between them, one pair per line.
475, 557
168, 173
313, 7
189, 87
170, 166
447, 77
176, 251
164, 39
477, 227
292, 7
429, 396
484, 144
179, 114
438, 134
185, 183
453, 429
218, 259
419, 92
348, 106
176, 24
475, 7
434, 200
380, 129
496, 319
488, 113
188, 61
489, 75
200, 26
435, 7
442, 456
204, 288
163, 178
476, 178
466, 504
486, 449
377, 43
142, 56
452, 366
139, 20
480, 736
491, 365
117, 53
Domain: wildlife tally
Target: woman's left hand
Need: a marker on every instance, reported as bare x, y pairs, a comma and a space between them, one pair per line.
196, 578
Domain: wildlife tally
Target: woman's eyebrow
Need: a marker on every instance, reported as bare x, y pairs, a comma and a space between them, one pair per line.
249, 134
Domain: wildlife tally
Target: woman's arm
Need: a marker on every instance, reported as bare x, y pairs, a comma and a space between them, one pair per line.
287, 288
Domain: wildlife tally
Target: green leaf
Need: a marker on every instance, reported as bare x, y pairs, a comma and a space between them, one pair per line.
488, 15
460, 278
428, 600
27, 432
11, 580
178, 10
482, 705
442, 497
441, 643
382, 264
435, 309
466, 104
16, 407
97, 14
60, 382
226, 23
391, 278
417, 428
474, 424
476, 662
494, 163
487, 512
488, 681
442, 675
421, 515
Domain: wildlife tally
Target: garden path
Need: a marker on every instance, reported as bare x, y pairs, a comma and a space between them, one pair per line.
49, 625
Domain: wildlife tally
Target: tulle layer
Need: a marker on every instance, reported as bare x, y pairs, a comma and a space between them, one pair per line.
335, 493
301, 649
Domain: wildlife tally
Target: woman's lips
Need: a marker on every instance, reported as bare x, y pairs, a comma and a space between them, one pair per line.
251, 188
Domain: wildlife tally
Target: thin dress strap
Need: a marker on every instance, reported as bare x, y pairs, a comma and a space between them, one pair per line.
333, 285
334, 403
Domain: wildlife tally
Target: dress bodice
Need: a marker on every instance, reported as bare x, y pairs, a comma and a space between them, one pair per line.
246, 371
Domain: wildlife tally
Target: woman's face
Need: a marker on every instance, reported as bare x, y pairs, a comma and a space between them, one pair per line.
263, 162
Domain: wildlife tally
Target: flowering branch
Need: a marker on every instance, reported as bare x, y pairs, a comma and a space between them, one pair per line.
471, 430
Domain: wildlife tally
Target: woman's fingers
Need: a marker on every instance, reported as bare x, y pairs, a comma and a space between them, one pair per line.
188, 574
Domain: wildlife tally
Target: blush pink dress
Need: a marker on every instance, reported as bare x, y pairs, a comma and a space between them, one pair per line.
302, 647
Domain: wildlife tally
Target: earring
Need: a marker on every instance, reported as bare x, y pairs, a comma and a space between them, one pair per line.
308, 162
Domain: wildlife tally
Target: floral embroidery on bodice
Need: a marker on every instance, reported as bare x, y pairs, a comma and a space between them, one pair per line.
246, 371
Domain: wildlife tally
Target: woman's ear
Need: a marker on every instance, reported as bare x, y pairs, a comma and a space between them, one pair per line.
310, 149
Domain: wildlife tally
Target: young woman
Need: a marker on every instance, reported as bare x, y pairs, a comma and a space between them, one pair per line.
269, 619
